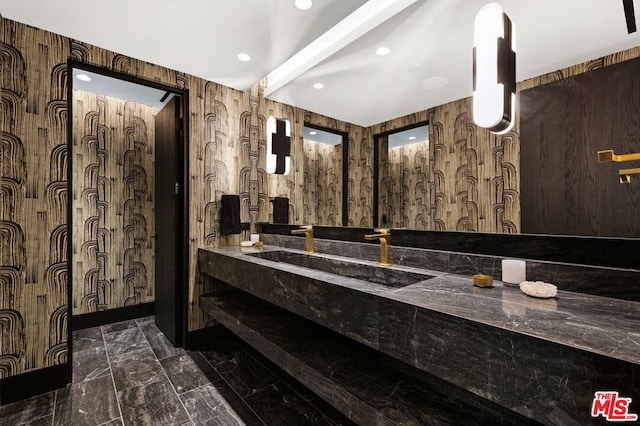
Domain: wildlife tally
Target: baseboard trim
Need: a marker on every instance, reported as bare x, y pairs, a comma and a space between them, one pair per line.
32, 383
95, 319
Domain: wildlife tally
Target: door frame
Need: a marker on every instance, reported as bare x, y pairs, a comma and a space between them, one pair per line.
183, 290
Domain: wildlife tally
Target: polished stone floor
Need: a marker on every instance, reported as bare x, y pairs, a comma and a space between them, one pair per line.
128, 373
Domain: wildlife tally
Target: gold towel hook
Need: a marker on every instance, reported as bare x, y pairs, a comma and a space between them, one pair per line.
624, 175
608, 156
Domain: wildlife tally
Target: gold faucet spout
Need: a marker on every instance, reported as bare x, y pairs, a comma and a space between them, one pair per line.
307, 230
383, 235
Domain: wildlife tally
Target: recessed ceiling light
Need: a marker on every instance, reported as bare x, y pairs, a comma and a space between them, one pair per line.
313, 133
244, 57
382, 51
303, 4
83, 77
318, 86
411, 138
435, 83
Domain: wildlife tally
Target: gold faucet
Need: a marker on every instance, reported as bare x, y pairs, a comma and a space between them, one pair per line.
307, 230
384, 235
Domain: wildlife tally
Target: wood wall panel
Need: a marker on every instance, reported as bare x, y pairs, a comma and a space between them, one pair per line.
113, 203
565, 123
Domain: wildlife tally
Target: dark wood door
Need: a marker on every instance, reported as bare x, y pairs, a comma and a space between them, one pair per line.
563, 125
169, 221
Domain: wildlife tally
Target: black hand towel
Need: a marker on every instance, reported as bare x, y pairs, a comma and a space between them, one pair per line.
230, 215
281, 210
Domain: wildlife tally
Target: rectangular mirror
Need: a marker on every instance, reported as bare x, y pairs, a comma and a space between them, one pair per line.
324, 194
324, 178
401, 187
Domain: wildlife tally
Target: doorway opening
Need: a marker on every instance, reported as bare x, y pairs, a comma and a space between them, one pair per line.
127, 202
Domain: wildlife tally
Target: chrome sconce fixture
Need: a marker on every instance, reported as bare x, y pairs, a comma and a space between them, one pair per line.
494, 70
278, 146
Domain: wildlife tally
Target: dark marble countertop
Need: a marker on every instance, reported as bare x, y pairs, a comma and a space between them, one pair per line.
606, 326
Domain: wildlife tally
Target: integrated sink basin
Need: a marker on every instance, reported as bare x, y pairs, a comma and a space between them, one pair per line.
361, 271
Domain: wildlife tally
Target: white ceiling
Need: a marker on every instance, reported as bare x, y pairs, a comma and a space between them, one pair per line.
430, 39
120, 89
409, 136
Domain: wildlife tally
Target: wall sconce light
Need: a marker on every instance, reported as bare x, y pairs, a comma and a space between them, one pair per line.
278, 146
494, 70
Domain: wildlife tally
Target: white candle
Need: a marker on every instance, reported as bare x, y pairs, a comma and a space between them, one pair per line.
255, 238
514, 271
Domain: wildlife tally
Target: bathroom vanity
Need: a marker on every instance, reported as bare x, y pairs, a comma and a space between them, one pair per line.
385, 345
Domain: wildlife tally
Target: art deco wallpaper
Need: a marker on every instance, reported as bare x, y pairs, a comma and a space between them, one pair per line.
113, 203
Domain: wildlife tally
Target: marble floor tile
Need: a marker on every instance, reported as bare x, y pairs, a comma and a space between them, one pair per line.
86, 403
189, 371
155, 382
146, 320
222, 345
137, 368
42, 421
245, 375
114, 422
152, 404
334, 416
125, 341
159, 342
29, 410
218, 404
119, 326
280, 405
90, 364
89, 338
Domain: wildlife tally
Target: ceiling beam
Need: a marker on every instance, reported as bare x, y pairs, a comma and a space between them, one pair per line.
362, 20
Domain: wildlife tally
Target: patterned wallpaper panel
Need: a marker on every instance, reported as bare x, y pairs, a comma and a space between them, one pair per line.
471, 179
474, 173
113, 203
33, 226
404, 185
322, 183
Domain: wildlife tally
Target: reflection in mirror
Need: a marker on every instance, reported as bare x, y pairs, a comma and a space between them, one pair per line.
324, 151
403, 173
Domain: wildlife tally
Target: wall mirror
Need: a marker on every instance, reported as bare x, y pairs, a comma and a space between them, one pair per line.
325, 154
401, 180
